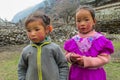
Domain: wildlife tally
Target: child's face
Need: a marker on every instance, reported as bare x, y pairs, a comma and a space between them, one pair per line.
84, 21
36, 31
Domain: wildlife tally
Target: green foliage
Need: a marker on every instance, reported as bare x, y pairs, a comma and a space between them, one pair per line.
116, 54
9, 61
112, 70
116, 45
8, 66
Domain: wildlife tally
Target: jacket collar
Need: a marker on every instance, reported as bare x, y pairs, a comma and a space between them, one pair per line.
47, 39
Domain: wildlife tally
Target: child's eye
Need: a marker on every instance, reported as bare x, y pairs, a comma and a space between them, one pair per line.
86, 19
37, 29
78, 20
28, 30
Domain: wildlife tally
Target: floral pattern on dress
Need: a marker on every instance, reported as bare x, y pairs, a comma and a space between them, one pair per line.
84, 44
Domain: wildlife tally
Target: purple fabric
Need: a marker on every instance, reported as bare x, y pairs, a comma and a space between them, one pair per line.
98, 45
84, 44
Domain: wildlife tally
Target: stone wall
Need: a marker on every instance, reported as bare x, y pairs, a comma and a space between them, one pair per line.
108, 12
17, 35
12, 35
108, 18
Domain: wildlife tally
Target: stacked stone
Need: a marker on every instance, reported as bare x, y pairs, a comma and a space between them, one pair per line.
14, 36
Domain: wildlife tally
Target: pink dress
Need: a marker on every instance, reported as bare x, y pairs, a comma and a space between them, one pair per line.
91, 46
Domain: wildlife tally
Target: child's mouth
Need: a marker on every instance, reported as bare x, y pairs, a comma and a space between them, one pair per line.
34, 39
83, 29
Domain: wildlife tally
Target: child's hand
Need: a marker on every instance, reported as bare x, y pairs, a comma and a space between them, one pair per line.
80, 61
73, 57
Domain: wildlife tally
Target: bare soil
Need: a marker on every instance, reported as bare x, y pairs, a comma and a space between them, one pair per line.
11, 48
7, 51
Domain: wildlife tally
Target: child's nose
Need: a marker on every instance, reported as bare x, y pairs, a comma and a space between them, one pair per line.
32, 33
82, 23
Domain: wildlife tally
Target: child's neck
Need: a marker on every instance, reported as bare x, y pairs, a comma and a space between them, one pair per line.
91, 33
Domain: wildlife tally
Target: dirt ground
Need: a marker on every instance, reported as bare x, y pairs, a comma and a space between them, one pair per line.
11, 48
6, 51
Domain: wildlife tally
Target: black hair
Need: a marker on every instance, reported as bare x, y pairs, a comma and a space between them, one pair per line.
89, 8
38, 16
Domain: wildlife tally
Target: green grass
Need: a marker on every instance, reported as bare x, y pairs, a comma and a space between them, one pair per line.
113, 71
9, 60
8, 66
116, 49
116, 45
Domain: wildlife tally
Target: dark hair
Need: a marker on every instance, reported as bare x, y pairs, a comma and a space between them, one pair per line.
89, 8
38, 16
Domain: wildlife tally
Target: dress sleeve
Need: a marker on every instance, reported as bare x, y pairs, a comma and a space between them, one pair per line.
105, 47
108, 47
67, 45
70, 45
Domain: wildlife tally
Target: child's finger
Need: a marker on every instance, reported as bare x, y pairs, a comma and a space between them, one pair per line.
75, 55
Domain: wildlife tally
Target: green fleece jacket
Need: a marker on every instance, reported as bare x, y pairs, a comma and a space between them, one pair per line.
51, 62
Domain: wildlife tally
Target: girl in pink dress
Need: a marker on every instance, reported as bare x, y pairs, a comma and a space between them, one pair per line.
88, 51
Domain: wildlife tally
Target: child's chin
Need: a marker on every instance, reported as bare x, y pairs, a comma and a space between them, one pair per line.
83, 32
35, 41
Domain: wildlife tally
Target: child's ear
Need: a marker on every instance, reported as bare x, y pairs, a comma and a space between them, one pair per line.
94, 21
49, 29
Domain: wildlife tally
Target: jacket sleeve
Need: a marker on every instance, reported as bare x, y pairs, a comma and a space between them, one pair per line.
67, 55
62, 64
22, 67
